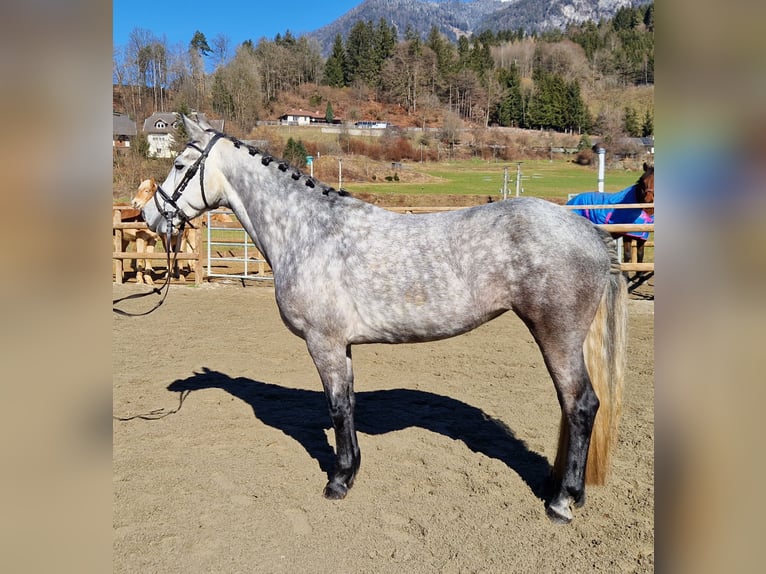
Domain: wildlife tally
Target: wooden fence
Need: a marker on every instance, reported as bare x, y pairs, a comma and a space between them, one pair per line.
633, 265
120, 257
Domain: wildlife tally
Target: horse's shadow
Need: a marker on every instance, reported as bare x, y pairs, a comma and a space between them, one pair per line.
303, 415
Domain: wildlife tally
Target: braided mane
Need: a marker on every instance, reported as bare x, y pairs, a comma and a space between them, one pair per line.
284, 166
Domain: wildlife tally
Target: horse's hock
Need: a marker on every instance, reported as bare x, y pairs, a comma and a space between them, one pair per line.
128, 230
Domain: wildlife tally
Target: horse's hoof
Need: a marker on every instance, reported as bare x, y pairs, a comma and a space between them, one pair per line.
559, 514
335, 491
579, 501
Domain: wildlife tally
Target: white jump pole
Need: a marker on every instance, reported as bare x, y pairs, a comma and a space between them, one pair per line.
601, 162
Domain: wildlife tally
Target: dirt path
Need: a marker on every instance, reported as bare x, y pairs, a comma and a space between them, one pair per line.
456, 439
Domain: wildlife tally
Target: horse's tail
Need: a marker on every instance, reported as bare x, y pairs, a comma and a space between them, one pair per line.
605, 350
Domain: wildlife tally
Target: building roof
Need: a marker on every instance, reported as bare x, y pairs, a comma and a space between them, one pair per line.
302, 113
165, 122
122, 125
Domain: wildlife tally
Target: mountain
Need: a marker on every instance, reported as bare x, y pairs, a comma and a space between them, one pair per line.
539, 15
455, 18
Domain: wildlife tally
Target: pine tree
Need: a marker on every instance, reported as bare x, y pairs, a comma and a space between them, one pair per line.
295, 153
334, 70
630, 122
463, 52
385, 41
547, 108
329, 116
481, 58
577, 116
584, 142
360, 55
647, 126
625, 18
510, 110
649, 17
199, 43
445, 52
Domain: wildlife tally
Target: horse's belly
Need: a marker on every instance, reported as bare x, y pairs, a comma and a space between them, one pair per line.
410, 321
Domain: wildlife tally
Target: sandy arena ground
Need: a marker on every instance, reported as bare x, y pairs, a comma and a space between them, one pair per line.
456, 436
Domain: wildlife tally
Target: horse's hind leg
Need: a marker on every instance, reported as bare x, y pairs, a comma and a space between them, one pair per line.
334, 365
562, 351
579, 405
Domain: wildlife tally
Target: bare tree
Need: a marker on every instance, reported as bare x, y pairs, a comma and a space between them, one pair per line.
451, 129
409, 74
237, 91
221, 46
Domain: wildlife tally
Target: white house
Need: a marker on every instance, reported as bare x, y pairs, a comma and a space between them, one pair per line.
301, 118
159, 129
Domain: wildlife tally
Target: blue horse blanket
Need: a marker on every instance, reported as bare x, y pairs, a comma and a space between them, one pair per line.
602, 216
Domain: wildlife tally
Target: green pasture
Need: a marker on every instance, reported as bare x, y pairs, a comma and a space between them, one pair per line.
539, 178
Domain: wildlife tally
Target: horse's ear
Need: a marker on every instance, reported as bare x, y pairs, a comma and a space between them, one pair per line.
194, 130
646, 167
204, 124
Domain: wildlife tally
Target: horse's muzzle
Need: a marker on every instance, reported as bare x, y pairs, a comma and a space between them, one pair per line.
159, 222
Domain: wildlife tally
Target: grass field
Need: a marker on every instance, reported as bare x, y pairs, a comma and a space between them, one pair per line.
540, 178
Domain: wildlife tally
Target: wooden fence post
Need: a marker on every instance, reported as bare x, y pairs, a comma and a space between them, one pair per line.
117, 241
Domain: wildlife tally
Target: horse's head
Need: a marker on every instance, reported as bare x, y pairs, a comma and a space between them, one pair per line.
144, 193
646, 187
189, 188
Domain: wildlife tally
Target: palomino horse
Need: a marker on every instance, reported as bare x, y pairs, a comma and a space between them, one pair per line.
331, 255
640, 192
145, 192
144, 239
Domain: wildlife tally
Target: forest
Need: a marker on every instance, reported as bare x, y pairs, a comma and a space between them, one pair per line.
591, 78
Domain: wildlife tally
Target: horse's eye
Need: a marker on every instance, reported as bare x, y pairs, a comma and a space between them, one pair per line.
179, 166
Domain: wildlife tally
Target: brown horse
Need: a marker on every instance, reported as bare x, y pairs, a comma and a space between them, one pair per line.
640, 192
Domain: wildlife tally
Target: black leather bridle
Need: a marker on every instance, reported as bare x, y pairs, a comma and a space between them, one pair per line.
198, 165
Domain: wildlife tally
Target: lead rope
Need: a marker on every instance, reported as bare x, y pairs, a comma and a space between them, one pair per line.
159, 413
166, 285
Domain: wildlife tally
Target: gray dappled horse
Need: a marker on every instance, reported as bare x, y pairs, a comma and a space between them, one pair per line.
347, 272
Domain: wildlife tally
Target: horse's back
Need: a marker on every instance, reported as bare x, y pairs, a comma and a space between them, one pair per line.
425, 277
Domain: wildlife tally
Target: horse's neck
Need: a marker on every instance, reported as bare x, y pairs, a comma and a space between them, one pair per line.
627, 195
271, 205
639, 190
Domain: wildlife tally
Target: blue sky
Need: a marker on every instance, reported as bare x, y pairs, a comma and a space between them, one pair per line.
240, 20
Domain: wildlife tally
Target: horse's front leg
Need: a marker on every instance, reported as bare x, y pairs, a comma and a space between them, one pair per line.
333, 361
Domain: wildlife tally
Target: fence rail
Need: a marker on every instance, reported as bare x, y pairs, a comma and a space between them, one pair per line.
229, 247
231, 253
143, 241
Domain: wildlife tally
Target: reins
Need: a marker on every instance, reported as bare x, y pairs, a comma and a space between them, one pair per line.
166, 285
199, 164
